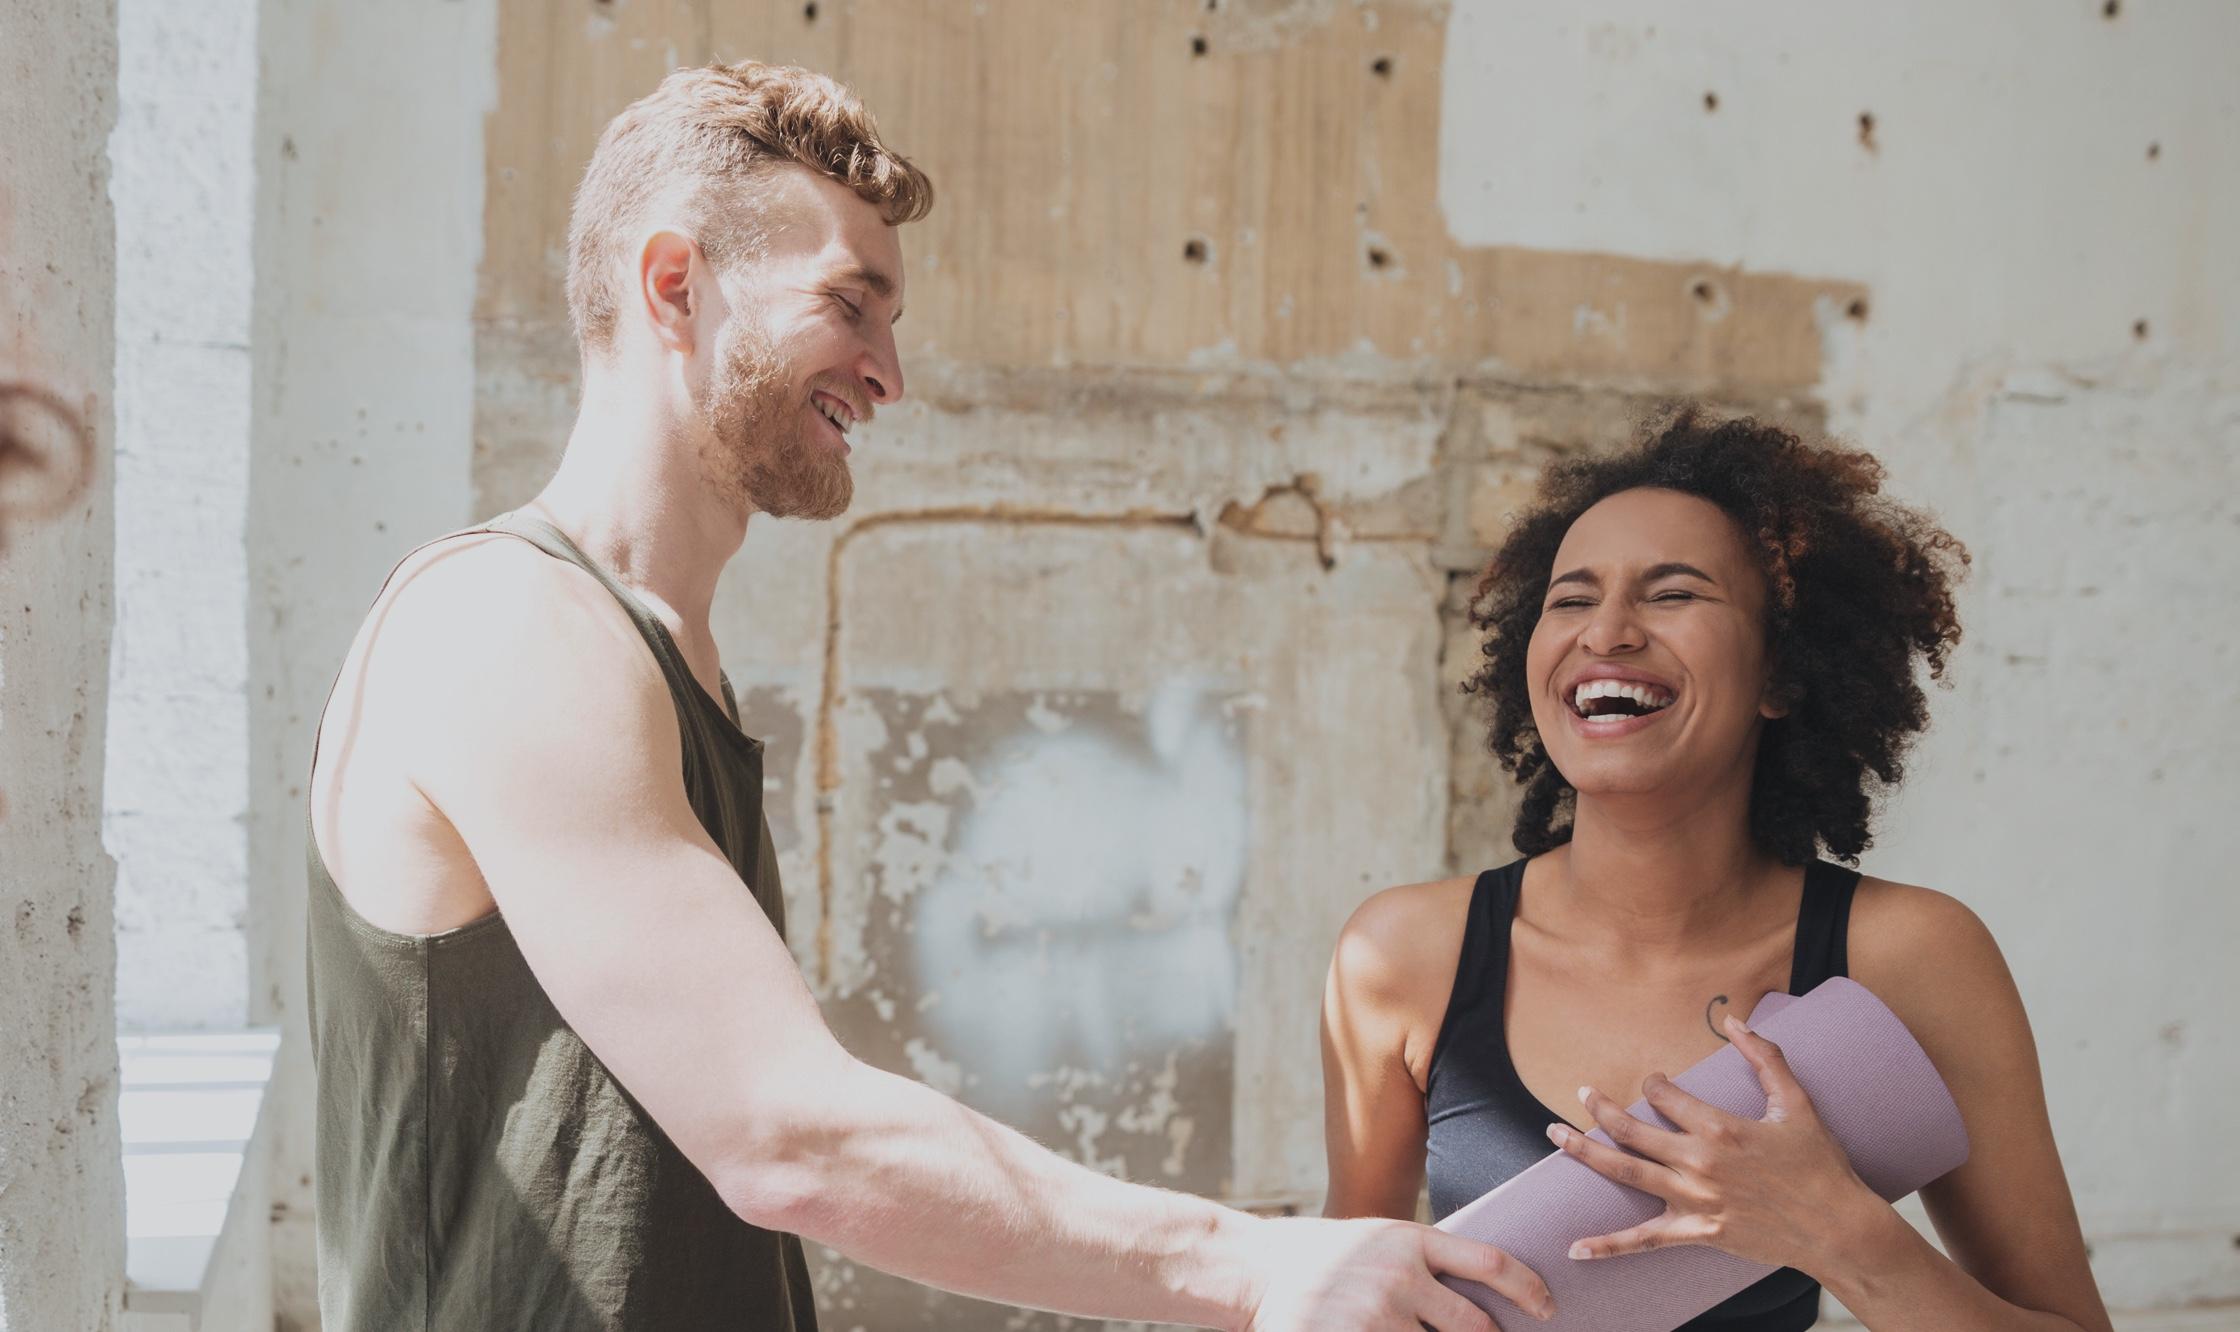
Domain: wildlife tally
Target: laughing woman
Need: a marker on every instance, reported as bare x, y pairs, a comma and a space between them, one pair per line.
1702, 659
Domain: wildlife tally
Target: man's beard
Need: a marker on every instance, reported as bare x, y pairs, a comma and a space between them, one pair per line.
764, 449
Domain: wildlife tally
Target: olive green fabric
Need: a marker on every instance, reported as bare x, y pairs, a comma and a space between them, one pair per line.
478, 1168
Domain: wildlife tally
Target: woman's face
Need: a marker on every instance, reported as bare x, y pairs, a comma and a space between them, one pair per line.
1648, 669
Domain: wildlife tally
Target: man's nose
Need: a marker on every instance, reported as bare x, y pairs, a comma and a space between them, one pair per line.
881, 371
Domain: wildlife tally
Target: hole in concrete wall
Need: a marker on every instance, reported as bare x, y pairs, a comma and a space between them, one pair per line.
2139, 330
1703, 291
1198, 45
1711, 101
2111, 9
2154, 150
1195, 250
1379, 257
809, 13
1381, 67
1866, 131
1857, 309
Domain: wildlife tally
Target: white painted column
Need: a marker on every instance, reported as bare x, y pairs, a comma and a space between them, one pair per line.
177, 801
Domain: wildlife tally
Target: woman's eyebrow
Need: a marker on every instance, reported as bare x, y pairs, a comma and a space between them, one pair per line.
1675, 567
1584, 577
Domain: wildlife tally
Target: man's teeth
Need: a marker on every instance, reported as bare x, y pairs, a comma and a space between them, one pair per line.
839, 418
1648, 698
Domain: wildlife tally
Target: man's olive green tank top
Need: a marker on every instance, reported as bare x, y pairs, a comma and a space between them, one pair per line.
478, 1168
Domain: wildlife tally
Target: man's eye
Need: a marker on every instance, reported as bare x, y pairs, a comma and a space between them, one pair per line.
854, 311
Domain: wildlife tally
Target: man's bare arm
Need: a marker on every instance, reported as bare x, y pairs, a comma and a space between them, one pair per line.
547, 737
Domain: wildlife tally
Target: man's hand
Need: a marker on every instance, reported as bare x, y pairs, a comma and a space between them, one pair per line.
1380, 1276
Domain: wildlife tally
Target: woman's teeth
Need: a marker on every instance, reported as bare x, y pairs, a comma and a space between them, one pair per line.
1617, 698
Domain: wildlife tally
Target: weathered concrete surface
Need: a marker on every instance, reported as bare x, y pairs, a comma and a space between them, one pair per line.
1125, 679
61, 1183
1226, 370
2048, 360
177, 791
369, 208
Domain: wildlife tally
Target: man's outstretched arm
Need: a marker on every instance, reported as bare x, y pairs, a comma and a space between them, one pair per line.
551, 745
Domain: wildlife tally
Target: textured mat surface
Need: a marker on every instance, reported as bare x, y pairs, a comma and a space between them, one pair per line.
1873, 1087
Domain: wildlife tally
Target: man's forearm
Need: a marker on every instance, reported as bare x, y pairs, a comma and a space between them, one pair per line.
900, 1177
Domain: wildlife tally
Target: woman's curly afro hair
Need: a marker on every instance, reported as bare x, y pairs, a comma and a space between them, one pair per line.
1859, 591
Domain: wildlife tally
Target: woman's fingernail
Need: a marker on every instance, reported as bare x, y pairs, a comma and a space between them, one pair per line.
1736, 1024
1584, 1093
1558, 1133
1580, 1250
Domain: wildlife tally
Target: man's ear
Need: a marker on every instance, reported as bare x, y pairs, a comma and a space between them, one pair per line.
665, 280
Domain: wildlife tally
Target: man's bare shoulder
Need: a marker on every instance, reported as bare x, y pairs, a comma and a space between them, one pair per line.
484, 641
482, 625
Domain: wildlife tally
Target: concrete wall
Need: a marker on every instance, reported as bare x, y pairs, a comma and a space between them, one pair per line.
1240, 330
1129, 673
177, 804
2038, 199
61, 1186
368, 223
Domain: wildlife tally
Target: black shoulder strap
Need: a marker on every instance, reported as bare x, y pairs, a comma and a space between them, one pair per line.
1823, 926
1483, 968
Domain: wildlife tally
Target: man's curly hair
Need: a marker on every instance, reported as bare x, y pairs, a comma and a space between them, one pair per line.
1859, 589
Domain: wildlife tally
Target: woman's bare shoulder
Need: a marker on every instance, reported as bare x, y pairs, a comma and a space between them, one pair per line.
1399, 950
1933, 961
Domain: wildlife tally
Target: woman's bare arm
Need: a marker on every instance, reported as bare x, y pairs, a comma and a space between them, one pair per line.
2006, 1216
1390, 976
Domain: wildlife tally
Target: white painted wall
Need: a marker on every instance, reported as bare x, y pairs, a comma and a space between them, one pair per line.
177, 796
369, 232
61, 1186
2043, 178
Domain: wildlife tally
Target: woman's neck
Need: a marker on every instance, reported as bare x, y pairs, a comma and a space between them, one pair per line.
1662, 876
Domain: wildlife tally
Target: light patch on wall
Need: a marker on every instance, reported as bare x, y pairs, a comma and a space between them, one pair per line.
1051, 878
1085, 910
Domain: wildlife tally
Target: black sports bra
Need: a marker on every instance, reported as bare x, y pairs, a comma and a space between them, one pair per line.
1486, 1127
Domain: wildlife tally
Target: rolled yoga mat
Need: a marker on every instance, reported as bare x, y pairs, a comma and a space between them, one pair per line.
1871, 1084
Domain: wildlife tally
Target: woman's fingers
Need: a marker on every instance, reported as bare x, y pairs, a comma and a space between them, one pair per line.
1455, 1256
1612, 1164
1696, 1117
1665, 1231
1655, 1143
1785, 1096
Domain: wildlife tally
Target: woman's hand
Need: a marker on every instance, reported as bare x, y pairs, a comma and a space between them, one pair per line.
1776, 1190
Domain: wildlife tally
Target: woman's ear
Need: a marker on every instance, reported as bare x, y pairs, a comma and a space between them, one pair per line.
1779, 699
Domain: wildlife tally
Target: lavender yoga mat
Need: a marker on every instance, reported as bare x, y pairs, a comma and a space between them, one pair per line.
1871, 1084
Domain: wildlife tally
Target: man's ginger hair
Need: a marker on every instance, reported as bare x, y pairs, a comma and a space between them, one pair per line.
697, 144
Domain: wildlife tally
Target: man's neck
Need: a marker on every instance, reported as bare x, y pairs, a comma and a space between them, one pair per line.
631, 491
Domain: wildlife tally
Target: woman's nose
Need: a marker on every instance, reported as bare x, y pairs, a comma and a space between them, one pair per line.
1613, 629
